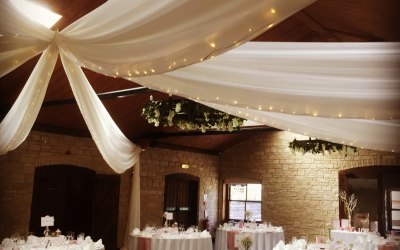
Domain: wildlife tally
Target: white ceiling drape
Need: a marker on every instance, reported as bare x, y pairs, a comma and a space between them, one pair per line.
18, 122
140, 37
117, 150
347, 93
122, 38
342, 92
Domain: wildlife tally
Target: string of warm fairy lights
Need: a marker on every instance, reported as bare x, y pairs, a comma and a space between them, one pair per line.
138, 70
174, 62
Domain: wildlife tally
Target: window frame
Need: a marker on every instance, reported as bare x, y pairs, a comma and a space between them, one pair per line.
389, 209
228, 200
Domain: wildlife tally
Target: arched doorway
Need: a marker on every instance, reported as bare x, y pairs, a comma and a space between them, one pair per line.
181, 197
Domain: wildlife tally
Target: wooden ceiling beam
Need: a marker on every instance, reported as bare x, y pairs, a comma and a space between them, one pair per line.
103, 96
159, 135
316, 27
158, 144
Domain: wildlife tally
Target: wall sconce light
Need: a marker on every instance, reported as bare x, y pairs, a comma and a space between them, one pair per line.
185, 166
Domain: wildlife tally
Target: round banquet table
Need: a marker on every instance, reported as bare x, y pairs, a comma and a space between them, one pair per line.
52, 243
346, 236
262, 239
154, 243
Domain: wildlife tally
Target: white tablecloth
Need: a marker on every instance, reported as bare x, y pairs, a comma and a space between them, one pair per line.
262, 240
173, 244
52, 243
346, 237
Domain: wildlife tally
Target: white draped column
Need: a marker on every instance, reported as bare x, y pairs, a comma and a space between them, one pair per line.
134, 207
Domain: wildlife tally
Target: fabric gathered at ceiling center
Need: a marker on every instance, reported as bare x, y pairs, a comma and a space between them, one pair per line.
342, 92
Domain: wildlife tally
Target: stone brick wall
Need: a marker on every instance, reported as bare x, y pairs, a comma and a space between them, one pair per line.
158, 162
300, 192
17, 170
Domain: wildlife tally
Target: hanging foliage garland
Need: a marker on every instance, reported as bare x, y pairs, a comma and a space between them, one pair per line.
189, 115
317, 146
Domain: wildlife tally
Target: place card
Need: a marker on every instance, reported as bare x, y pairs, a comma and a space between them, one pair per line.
169, 216
47, 221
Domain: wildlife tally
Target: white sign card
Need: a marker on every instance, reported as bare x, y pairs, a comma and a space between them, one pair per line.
47, 221
169, 216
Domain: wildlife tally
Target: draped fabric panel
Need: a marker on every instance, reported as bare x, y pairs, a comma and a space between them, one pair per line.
134, 205
363, 133
334, 80
18, 122
20, 39
119, 152
122, 38
351, 89
347, 92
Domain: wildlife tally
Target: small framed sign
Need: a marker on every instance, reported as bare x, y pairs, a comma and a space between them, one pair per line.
169, 216
47, 221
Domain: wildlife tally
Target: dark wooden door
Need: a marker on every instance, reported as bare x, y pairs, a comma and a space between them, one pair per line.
181, 198
79, 200
65, 192
105, 209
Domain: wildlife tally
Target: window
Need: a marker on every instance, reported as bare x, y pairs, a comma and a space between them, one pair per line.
242, 198
394, 210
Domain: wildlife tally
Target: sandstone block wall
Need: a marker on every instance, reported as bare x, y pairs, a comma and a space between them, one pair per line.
17, 169
158, 162
300, 192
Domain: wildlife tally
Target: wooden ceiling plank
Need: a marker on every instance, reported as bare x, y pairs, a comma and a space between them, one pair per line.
158, 135
103, 96
315, 26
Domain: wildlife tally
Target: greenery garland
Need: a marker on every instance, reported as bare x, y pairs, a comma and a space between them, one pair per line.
189, 115
317, 146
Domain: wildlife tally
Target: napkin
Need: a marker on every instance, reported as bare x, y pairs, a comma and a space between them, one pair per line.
136, 231
205, 234
280, 246
89, 246
32, 239
99, 244
300, 244
6, 242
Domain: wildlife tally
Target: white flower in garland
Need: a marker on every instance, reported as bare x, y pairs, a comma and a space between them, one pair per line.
190, 115
320, 146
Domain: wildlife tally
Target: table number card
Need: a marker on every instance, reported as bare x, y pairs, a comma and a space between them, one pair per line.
47, 221
169, 216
